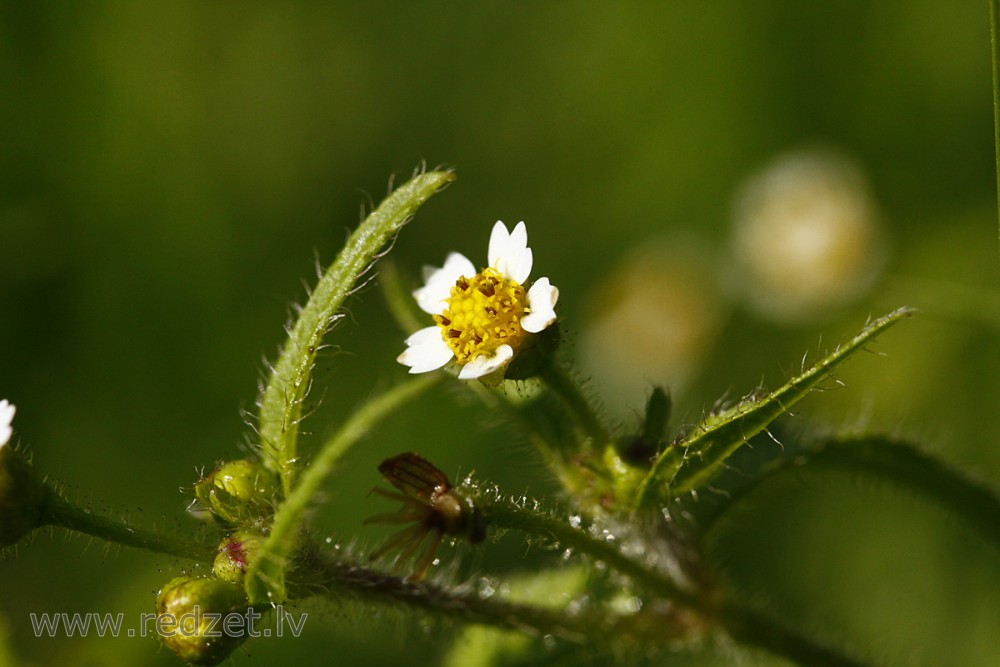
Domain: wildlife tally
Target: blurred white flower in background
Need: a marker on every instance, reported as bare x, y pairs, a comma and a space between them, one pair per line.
806, 236
7, 411
652, 321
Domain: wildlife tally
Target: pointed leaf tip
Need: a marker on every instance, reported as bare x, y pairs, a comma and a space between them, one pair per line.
693, 462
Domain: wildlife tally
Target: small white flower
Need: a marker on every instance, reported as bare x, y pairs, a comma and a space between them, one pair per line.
7, 410
482, 319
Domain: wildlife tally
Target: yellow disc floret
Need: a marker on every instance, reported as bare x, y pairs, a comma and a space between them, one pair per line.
483, 313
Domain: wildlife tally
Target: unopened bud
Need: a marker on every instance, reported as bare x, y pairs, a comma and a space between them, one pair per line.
639, 450
238, 491
201, 619
235, 554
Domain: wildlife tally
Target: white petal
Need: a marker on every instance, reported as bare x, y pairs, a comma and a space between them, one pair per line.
424, 336
7, 411
542, 298
438, 282
498, 242
483, 365
458, 265
425, 351
519, 237
509, 253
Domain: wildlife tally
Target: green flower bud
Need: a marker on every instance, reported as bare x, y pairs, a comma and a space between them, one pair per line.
202, 619
21, 497
235, 554
238, 491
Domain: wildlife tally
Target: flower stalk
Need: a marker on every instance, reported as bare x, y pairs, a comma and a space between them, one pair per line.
559, 382
57, 511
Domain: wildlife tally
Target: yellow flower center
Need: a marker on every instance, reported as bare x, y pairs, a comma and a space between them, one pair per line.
483, 313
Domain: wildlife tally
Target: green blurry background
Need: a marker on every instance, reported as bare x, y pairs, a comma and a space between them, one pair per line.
169, 171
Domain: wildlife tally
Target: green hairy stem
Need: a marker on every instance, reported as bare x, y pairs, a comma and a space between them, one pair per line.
57, 511
265, 581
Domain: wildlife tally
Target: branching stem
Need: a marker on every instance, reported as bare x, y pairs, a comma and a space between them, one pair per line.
505, 513
587, 624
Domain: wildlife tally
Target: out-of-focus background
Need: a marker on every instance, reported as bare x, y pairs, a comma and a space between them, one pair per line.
716, 188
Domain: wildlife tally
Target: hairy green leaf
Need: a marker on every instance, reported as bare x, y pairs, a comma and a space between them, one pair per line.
282, 398
693, 462
900, 462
